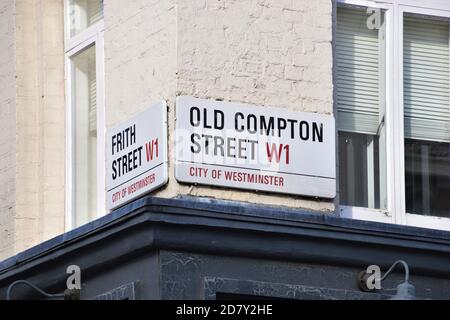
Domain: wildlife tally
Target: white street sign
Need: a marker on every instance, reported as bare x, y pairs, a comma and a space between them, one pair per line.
242, 146
137, 156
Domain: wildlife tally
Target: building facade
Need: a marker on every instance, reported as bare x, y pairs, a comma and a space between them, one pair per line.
72, 71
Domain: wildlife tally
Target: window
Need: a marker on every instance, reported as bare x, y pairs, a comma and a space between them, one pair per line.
360, 60
85, 112
426, 93
83, 14
392, 82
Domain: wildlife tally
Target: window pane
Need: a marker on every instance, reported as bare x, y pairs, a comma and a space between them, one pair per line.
83, 14
427, 166
427, 115
426, 79
359, 181
85, 136
360, 82
359, 56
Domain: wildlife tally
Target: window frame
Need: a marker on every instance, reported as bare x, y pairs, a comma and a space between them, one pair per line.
360, 213
396, 208
410, 219
93, 35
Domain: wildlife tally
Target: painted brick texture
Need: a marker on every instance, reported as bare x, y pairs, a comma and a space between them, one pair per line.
32, 116
8, 127
265, 52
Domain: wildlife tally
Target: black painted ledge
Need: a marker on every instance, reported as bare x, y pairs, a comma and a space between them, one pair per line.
231, 229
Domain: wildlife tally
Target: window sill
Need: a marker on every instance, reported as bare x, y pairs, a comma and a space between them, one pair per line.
413, 220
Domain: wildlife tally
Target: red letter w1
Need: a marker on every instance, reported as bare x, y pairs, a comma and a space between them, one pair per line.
151, 149
273, 150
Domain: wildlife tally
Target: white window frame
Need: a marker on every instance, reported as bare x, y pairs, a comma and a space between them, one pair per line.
93, 35
396, 209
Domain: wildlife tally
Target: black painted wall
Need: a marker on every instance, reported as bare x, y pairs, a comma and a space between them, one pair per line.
190, 249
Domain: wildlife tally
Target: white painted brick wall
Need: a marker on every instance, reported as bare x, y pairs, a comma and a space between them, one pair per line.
27, 140
266, 52
32, 121
140, 61
140, 55
51, 169
8, 127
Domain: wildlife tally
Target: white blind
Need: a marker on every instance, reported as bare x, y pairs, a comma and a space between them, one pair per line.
83, 14
92, 106
95, 11
426, 88
358, 63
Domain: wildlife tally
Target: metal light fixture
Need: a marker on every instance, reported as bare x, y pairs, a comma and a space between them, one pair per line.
67, 295
405, 290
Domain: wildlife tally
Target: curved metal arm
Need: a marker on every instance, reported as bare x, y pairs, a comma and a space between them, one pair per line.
405, 265
24, 282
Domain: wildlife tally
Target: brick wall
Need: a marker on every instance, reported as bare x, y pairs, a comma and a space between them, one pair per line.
273, 53
266, 52
8, 127
32, 121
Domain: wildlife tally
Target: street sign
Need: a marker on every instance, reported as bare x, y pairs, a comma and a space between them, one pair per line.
137, 156
243, 146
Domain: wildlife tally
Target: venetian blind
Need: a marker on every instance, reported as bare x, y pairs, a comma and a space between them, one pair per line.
426, 87
95, 11
357, 62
